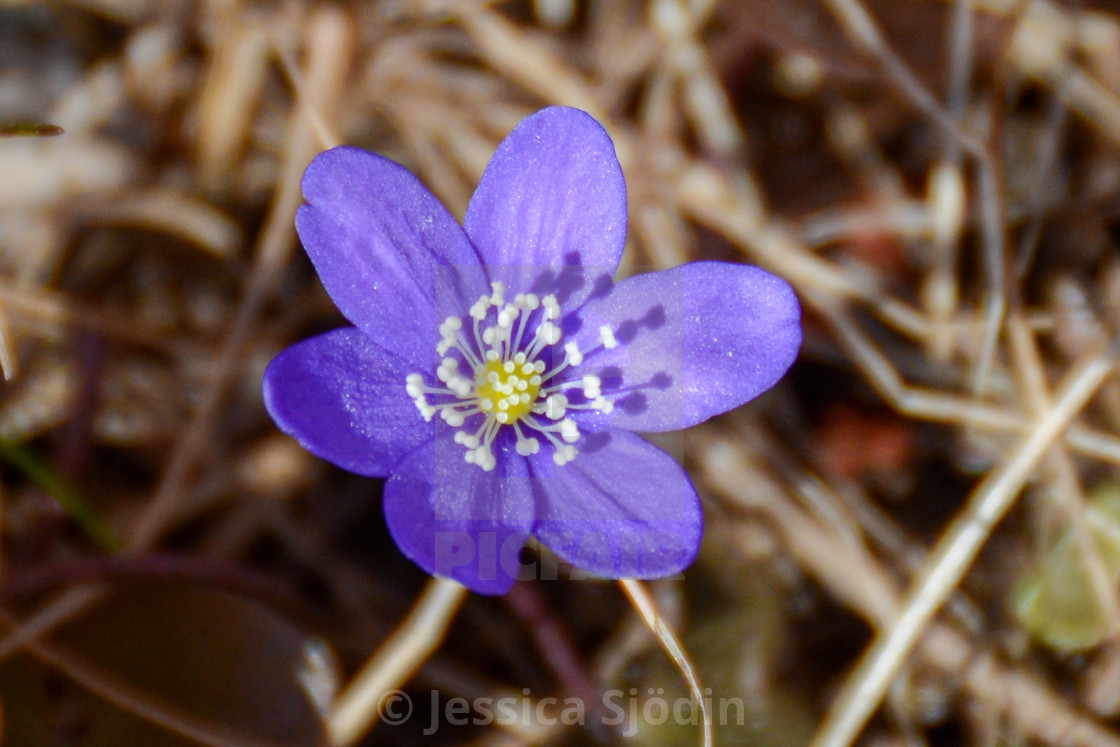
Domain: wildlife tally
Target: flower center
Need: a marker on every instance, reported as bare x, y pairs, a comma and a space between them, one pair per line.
500, 376
503, 387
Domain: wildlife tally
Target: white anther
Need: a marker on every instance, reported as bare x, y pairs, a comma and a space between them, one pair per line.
549, 332
488, 335
528, 446
531, 301
498, 293
519, 358
563, 454
508, 367
572, 355
569, 431
482, 457
603, 405
481, 306
454, 418
426, 411
492, 355
506, 317
555, 406
606, 336
551, 308
591, 387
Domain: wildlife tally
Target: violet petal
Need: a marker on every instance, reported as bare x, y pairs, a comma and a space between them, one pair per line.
549, 215
622, 509
457, 521
391, 257
343, 398
694, 341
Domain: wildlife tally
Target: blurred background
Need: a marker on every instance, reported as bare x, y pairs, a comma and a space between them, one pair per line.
939, 179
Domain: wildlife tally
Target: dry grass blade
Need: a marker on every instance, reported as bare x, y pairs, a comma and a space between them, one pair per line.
859, 581
647, 608
361, 703
952, 556
937, 179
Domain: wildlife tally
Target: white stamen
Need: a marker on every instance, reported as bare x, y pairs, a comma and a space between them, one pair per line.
555, 406
564, 454
498, 293
569, 431
606, 336
478, 311
528, 446
489, 377
451, 417
551, 308
591, 387
549, 333
572, 356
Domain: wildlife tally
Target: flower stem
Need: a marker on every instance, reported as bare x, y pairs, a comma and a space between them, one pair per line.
647, 608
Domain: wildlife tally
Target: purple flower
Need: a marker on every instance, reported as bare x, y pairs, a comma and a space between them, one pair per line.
496, 373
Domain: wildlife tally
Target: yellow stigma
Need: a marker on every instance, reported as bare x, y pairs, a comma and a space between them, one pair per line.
507, 390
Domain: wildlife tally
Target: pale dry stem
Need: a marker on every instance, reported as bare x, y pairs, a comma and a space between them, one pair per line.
328, 57
860, 582
653, 77
647, 608
952, 557
359, 704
